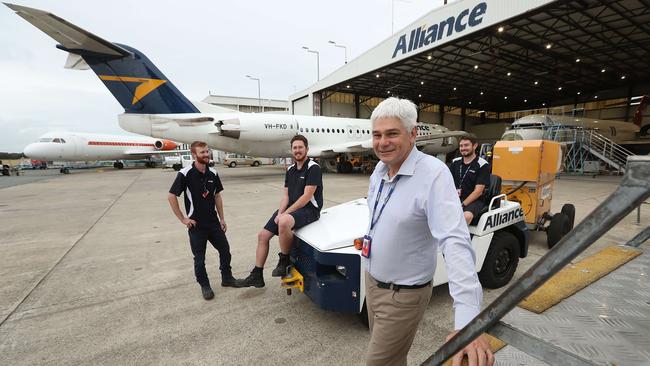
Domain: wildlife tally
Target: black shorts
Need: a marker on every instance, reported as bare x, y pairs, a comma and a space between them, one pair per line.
302, 216
474, 207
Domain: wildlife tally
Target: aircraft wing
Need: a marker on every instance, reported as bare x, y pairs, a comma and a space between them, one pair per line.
440, 135
366, 145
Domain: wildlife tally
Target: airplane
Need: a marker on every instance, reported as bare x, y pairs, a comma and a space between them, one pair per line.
153, 106
539, 127
76, 146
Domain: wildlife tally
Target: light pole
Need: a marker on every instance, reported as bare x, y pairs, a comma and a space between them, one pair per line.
341, 46
392, 14
259, 94
317, 61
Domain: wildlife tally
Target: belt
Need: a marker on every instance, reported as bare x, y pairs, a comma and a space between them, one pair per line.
394, 287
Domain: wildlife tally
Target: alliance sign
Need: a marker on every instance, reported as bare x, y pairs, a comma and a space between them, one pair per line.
423, 36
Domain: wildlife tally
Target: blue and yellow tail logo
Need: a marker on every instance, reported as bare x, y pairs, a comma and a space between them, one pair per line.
146, 85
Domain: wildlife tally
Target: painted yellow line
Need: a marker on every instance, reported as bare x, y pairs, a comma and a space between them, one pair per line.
575, 277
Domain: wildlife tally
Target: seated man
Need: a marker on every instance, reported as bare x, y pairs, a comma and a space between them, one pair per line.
471, 175
300, 205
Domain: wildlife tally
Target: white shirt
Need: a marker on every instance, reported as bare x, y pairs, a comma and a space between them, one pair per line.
422, 215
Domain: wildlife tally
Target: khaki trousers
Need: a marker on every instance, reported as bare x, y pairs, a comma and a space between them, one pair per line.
393, 317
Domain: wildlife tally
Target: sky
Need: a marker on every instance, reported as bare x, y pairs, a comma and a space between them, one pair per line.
201, 46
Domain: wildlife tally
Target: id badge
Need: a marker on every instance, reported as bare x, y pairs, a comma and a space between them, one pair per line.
365, 247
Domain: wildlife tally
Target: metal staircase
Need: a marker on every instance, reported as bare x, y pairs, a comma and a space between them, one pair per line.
584, 144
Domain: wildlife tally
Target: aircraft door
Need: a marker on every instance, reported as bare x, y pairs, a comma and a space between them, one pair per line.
297, 125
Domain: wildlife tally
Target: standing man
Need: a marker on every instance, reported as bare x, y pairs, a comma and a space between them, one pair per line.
413, 212
300, 205
471, 175
203, 202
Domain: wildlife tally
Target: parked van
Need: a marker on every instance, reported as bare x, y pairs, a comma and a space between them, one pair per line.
232, 160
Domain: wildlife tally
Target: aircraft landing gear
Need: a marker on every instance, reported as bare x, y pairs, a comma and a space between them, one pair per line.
64, 170
150, 164
118, 165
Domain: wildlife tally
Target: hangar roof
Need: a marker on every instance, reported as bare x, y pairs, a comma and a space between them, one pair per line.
508, 55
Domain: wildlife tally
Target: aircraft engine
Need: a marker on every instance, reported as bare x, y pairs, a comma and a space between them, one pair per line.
165, 145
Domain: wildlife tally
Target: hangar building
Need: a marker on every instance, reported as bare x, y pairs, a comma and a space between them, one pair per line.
470, 64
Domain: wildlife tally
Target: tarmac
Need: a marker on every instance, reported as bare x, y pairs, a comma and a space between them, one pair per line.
95, 269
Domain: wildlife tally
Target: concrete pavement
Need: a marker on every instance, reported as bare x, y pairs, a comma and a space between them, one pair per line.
95, 269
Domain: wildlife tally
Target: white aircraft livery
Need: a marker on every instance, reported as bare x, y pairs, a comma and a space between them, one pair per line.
154, 107
537, 127
74, 146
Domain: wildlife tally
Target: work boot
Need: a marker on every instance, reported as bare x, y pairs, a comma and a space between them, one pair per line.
255, 279
281, 269
207, 292
229, 281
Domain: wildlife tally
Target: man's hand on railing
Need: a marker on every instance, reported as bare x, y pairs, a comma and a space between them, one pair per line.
478, 352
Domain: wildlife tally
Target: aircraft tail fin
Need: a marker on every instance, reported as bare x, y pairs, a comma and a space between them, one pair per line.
129, 75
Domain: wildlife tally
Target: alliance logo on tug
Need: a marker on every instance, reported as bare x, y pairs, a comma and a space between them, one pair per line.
423, 36
502, 218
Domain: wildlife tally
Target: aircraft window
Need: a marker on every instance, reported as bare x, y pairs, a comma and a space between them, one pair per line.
57, 140
291, 126
350, 131
317, 130
328, 130
300, 129
357, 132
62, 141
338, 131
312, 130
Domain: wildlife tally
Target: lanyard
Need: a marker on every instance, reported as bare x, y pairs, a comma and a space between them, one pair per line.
373, 221
460, 172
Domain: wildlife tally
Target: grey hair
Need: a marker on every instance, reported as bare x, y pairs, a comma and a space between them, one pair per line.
402, 109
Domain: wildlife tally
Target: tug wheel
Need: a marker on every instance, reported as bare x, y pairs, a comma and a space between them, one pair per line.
558, 227
501, 260
363, 315
569, 210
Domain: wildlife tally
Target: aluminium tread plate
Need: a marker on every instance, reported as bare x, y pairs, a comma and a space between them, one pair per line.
510, 356
607, 322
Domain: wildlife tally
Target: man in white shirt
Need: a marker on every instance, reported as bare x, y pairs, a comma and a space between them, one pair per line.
414, 210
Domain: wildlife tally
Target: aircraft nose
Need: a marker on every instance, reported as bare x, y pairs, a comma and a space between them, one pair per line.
29, 150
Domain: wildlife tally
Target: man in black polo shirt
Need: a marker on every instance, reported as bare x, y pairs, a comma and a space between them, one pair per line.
300, 205
471, 175
203, 202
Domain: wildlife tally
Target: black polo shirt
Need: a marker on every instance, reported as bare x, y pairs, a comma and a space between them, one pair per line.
296, 180
200, 189
467, 176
